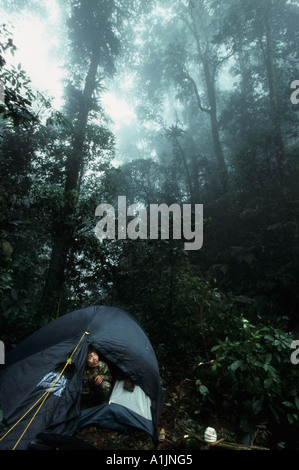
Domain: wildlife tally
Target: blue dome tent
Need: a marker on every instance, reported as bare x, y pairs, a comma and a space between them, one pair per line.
41, 381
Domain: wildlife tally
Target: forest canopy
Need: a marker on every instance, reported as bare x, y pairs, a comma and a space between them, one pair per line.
212, 86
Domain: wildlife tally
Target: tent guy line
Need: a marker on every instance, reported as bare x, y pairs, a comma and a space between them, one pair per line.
43, 397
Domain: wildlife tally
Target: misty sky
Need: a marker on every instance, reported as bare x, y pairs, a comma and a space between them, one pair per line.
40, 52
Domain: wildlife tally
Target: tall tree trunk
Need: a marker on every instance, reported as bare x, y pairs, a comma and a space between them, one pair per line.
204, 56
274, 112
64, 234
289, 204
74, 164
53, 289
187, 173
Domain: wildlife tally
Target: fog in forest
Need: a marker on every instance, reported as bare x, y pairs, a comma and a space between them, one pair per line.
185, 104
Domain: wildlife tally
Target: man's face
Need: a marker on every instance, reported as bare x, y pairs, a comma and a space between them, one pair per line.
92, 360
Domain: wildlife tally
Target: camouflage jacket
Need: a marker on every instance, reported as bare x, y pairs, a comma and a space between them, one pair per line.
92, 394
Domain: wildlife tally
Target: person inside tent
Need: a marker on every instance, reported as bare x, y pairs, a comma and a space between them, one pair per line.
97, 380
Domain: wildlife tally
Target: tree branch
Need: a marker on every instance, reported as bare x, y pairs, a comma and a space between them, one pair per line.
202, 108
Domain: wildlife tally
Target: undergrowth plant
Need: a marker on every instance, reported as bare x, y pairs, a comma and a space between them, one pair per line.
252, 379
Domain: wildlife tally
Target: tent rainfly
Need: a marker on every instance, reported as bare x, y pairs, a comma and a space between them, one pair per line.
41, 381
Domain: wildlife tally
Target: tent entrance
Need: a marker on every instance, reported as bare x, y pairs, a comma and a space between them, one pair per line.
124, 410
136, 400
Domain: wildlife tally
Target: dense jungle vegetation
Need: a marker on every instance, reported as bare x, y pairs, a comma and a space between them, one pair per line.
211, 83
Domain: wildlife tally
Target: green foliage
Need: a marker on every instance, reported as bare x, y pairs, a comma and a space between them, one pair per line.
90, 26
18, 96
17, 324
252, 378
